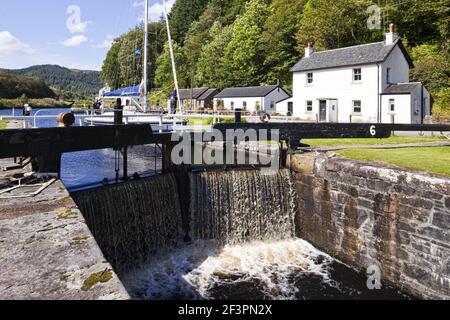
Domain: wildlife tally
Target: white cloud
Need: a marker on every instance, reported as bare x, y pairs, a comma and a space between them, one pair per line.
79, 27
75, 41
10, 45
107, 43
74, 24
15, 54
155, 11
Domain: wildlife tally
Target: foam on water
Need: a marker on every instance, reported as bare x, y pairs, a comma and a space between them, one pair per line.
204, 270
239, 206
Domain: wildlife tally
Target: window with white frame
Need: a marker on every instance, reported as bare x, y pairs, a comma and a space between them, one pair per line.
357, 75
388, 75
244, 104
232, 105
392, 105
357, 106
309, 78
309, 106
272, 104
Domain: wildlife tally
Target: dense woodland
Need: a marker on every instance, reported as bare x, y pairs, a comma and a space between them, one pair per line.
66, 83
15, 86
221, 43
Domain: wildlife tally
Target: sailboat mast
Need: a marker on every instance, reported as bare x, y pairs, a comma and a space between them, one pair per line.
174, 68
145, 54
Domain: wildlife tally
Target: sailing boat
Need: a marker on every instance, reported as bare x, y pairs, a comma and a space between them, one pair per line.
131, 113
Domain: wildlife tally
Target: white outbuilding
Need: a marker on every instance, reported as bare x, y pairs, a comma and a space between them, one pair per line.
251, 99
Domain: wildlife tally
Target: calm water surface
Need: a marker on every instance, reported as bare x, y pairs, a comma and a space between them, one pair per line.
90, 168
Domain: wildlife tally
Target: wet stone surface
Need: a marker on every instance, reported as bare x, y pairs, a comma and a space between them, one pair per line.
368, 214
48, 252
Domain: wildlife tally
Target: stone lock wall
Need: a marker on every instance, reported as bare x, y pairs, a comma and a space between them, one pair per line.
367, 214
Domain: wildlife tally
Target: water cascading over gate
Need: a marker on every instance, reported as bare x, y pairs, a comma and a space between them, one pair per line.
239, 206
132, 220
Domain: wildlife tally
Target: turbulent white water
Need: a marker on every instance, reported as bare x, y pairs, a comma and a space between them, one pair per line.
239, 206
205, 271
243, 226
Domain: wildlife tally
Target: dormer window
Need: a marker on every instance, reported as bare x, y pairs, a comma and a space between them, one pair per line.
357, 75
309, 78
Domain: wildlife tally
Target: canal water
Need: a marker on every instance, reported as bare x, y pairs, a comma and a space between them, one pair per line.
239, 242
242, 239
279, 270
89, 168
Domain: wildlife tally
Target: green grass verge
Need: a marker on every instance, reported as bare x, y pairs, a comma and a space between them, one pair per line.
208, 121
435, 160
3, 124
200, 121
355, 142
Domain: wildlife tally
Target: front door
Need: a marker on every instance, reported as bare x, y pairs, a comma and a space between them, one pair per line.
322, 110
290, 108
334, 111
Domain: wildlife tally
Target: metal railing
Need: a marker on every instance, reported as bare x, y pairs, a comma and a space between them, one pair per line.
175, 119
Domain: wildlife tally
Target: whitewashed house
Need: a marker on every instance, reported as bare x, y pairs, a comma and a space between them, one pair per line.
251, 99
286, 106
365, 83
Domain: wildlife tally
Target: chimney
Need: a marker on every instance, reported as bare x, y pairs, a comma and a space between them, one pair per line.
309, 50
391, 36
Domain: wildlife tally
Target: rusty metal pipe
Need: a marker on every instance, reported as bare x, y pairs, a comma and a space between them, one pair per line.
65, 119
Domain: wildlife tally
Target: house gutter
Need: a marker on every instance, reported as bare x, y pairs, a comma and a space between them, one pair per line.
378, 94
422, 115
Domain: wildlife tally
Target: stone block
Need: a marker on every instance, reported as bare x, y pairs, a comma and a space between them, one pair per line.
379, 185
417, 202
432, 195
303, 164
441, 220
405, 190
436, 233
408, 212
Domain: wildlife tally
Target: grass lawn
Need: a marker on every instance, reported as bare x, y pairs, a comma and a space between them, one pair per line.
434, 160
355, 142
208, 121
200, 121
3, 124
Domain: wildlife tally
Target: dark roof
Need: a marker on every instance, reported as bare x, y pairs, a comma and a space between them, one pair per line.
185, 94
351, 56
248, 92
402, 88
208, 94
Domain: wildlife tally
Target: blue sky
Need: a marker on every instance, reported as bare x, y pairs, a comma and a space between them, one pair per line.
71, 33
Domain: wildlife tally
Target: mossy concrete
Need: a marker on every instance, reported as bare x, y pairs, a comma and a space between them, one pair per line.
48, 252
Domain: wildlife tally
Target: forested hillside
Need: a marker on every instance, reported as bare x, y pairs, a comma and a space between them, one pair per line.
220, 43
15, 86
68, 82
